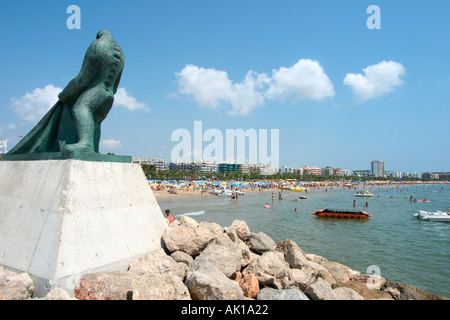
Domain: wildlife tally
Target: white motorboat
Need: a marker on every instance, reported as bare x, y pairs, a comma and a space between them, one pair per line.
216, 191
229, 193
432, 216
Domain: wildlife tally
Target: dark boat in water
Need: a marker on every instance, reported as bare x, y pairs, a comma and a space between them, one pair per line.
339, 213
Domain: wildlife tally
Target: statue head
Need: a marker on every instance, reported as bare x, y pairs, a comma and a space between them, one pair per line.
102, 33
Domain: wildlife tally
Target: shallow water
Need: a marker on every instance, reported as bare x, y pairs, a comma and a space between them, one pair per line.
402, 247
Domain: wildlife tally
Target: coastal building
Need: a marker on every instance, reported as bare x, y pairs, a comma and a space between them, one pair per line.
310, 170
377, 168
361, 173
194, 165
160, 164
285, 169
229, 167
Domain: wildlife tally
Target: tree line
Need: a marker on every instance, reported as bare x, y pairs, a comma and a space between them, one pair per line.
151, 172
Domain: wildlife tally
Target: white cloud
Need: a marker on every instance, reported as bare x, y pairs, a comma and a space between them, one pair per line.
124, 99
33, 105
110, 144
304, 80
207, 86
210, 87
377, 80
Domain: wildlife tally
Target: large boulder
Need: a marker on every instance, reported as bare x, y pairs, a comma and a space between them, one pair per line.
180, 256
320, 290
343, 293
189, 240
206, 282
298, 260
15, 286
241, 228
159, 287
104, 286
260, 243
249, 285
268, 293
212, 226
339, 272
225, 259
188, 222
157, 262
270, 269
362, 289
408, 292
302, 278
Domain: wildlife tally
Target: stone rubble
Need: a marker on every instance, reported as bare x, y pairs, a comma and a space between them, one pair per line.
203, 261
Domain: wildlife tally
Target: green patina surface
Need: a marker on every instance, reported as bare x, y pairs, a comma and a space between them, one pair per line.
71, 128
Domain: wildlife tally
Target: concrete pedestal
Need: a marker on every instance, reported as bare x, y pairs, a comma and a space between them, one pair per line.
63, 218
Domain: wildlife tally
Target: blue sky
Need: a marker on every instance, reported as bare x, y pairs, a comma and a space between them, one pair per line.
340, 94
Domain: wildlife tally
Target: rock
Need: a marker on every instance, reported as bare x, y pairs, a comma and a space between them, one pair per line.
408, 292
15, 286
213, 227
338, 272
56, 294
261, 242
206, 282
344, 293
395, 293
157, 262
241, 228
189, 240
233, 236
298, 260
104, 286
270, 270
180, 256
274, 294
226, 259
159, 287
222, 239
283, 246
301, 278
363, 290
188, 222
249, 285
320, 290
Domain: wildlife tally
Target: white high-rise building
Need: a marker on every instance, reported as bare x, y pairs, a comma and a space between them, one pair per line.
377, 168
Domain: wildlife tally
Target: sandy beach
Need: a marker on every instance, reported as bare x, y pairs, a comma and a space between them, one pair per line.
195, 191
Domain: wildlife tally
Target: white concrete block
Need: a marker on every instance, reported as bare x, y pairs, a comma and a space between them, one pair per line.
59, 218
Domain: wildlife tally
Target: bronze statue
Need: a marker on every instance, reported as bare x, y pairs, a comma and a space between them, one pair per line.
71, 128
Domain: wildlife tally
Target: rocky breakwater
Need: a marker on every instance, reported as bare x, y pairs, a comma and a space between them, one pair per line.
203, 261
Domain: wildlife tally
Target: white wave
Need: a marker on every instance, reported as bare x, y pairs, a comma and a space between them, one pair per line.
194, 213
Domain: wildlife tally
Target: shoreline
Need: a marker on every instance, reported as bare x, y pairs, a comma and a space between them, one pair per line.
195, 191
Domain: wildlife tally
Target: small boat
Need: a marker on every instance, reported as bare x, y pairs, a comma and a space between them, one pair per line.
338, 213
216, 191
364, 194
297, 189
301, 197
432, 216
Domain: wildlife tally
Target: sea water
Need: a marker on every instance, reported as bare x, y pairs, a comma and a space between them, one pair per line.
402, 247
